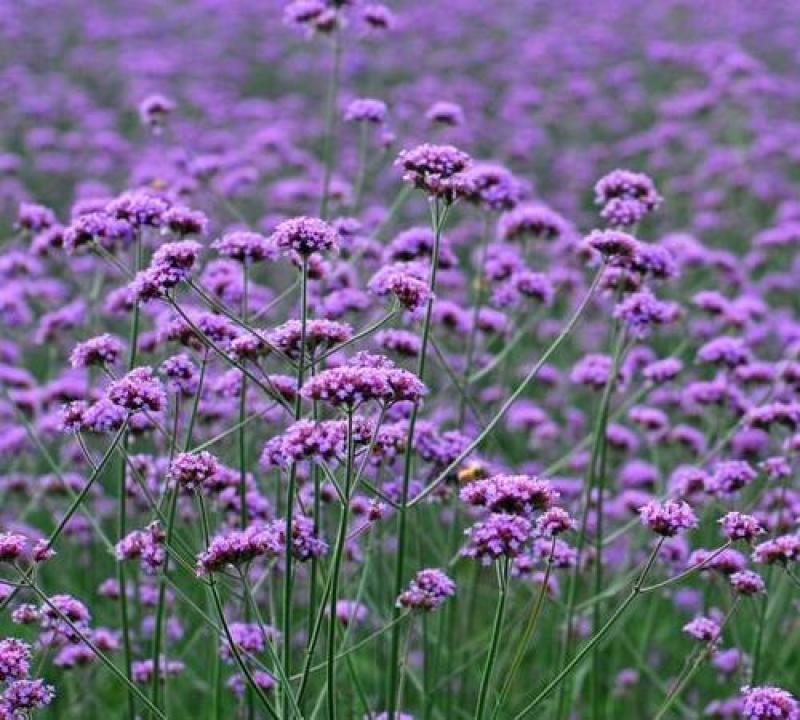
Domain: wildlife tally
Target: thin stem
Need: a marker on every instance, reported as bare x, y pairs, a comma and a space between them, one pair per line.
336, 569
290, 489
534, 371
224, 623
596, 638
439, 216
331, 114
497, 629
527, 633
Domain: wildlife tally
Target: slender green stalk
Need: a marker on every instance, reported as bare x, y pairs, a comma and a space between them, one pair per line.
439, 216
700, 658
122, 517
331, 115
476, 309
497, 628
527, 633
290, 491
565, 672
593, 477
212, 585
121, 675
534, 371
338, 554
172, 496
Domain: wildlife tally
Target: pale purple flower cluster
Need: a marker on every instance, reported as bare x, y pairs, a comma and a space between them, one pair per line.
432, 168
101, 350
246, 247
668, 518
738, 526
769, 703
429, 589
148, 546
353, 384
193, 471
514, 494
305, 236
626, 197
170, 265
499, 535
238, 547
139, 390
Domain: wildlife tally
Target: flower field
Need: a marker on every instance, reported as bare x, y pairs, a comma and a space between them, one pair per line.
417, 361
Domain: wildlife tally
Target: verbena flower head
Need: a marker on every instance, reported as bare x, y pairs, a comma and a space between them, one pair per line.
668, 518
305, 236
428, 590
531, 221
491, 187
515, 494
626, 197
704, 629
139, 390
747, 582
499, 535
245, 247
366, 110
769, 703
642, 311
616, 248
432, 168
362, 381
553, 522
15, 657
738, 526
192, 471
238, 547
403, 281
23, 696
101, 350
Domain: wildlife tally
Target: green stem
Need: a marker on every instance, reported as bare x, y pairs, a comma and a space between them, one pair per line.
497, 629
290, 491
336, 569
331, 114
595, 639
527, 633
439, 216
534, 371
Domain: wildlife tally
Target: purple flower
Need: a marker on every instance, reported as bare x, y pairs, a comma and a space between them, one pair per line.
491, 187
193, 471
403, 281
738, 526
245, 247
513, 494
554, 521
531, 221
101, 350
641, 311
747, 582
668, 518
238, 547
15, 656
432, 168
626, 197
305, 236
429, 589
703, 629
139, 390
23, 696
500, 535
769, 703
366, 110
